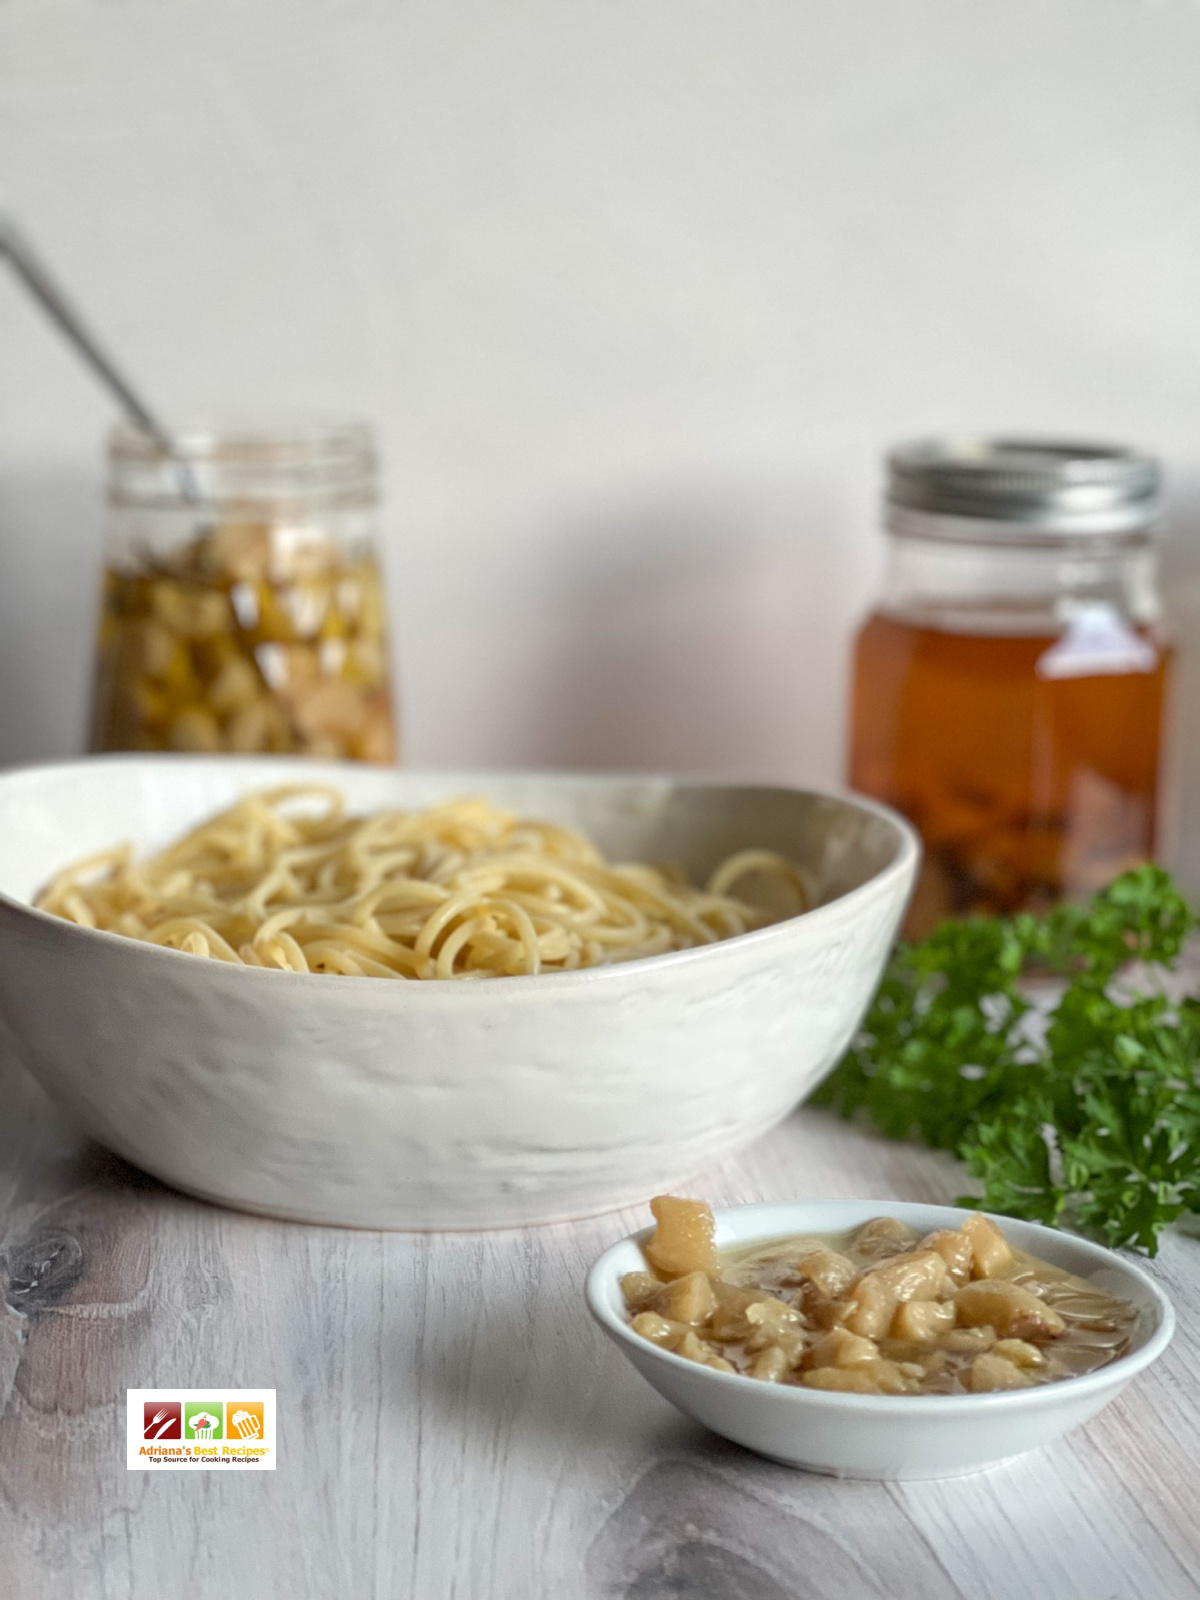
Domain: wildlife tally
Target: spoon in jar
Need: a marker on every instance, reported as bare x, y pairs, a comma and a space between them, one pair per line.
33, 273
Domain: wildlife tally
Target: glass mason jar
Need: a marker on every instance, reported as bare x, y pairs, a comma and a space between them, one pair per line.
243, 606
1008, 689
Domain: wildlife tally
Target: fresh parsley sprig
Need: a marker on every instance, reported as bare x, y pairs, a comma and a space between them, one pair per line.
1079, 1109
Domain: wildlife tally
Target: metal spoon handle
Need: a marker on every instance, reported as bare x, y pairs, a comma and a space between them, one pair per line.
33, 272
36, 276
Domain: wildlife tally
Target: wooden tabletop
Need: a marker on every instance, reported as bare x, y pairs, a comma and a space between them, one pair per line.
452, 1425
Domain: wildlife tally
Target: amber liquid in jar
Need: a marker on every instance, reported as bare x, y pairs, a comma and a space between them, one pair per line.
1028, 777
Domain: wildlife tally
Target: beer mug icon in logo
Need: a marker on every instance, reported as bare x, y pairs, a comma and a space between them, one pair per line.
246, 1419
202, 1419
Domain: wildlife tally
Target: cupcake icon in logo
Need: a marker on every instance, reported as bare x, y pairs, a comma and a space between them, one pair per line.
203, 1419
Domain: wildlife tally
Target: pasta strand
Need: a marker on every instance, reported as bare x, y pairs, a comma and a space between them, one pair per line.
287, 880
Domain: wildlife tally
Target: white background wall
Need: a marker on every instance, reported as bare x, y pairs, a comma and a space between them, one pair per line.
637, 292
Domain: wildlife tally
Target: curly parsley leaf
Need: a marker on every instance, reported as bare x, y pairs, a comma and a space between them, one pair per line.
1081, 1110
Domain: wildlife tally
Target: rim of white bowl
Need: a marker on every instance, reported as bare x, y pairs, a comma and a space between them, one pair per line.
908, 853
602, 1279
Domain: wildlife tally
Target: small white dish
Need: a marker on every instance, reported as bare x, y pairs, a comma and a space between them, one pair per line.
885, 1436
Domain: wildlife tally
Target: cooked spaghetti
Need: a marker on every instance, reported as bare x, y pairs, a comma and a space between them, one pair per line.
286, 879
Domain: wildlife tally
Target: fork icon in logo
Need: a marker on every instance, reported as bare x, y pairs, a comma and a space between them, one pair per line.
247, 1420
163, 1420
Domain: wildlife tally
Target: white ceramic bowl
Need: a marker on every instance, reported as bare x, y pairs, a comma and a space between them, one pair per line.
439, 1104
885, 1436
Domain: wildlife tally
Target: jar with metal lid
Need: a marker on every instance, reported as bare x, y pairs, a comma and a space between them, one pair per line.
1009, 687
243, 606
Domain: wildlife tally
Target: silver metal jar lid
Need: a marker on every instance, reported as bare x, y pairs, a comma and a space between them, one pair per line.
1022, 489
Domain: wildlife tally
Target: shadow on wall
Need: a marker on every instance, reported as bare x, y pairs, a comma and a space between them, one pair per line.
695, 634
691, 637
50, 556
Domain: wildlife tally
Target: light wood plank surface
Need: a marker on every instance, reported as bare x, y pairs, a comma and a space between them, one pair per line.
451, 1425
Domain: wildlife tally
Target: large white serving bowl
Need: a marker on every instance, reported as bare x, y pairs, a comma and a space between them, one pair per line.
439, 1104
885, 1436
